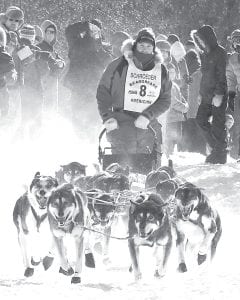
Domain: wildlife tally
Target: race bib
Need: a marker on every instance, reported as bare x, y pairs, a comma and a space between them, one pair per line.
142, 88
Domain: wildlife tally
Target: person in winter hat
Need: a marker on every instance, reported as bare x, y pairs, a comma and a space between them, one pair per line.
7, 75
30, 58
193, 140
233, 83
50, 79
117, 38
175, 115
164, 47
12, 20
178, 52
213, 92
134, 90
88, 58
38, 34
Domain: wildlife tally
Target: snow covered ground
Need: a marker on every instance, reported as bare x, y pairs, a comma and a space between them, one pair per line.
57, 145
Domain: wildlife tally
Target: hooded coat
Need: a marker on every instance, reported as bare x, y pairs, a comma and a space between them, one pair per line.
213, 64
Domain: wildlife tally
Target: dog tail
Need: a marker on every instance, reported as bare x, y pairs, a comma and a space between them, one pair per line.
216, 237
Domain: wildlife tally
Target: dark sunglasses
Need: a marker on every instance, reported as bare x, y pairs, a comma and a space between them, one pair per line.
13, 20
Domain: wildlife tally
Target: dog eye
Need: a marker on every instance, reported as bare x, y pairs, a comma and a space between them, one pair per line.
151, 217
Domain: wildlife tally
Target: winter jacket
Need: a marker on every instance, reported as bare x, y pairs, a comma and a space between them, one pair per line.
213, 65
233, 72
111, 88
194, 65
7, 67
88, 57
178, 107
178, 52
30, 69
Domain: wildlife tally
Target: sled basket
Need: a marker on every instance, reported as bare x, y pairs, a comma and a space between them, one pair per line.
141, 163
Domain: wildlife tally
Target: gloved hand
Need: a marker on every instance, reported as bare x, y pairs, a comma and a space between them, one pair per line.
217, 100
141, 122
111, 124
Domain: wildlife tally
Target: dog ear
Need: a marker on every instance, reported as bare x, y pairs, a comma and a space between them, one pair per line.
37, 174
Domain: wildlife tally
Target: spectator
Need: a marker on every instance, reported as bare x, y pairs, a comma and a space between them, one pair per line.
31, 91
7, 75
233, 82
164, 47
88, 58
117, 40
50, 78
175, 116
213, 92
193, 140
123, 95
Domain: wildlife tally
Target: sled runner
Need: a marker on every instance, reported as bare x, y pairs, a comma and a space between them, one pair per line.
141, 163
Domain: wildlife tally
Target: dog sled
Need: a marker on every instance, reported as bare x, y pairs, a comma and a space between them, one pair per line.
141, 163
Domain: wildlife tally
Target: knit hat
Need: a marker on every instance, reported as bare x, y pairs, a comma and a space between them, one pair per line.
96, 22
146, 35
172, 38
27, 31
161, 37
163, 45
38, 33
119, 37
14, 12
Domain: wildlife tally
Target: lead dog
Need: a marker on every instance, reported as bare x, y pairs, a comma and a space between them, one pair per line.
30, 216
149, 225
68, 214
197, 224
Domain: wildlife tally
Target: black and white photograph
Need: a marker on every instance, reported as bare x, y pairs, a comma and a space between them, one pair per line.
120, 149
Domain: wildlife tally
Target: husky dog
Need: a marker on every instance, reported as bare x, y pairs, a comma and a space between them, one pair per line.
149, 225
30, 215
160, 175
197, 224
102, 209
68, 214
70, 173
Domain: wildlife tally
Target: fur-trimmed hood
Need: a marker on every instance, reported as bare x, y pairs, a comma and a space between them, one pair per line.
127, 51
207, 34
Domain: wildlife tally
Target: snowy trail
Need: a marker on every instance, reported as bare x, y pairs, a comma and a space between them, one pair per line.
221, 280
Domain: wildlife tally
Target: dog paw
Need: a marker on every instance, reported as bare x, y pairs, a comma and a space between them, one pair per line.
182, 268
138, 276
130, 269
201, 258
29, 272
34, 262
69, 272
159, 274
98, 248
89, 260
76, 279
47, 262
106, 261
